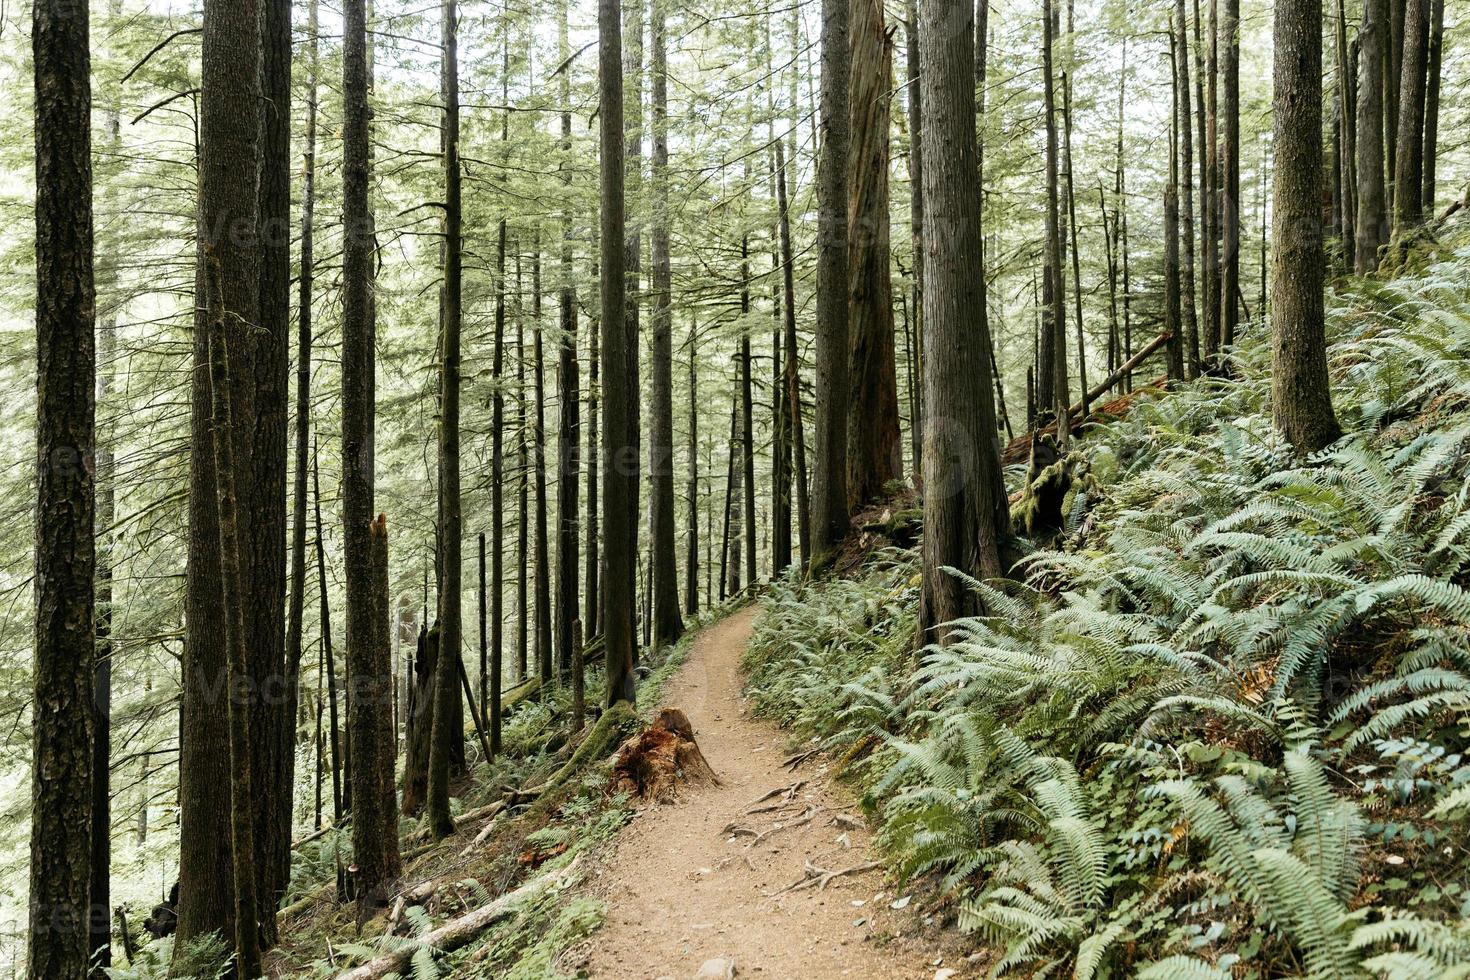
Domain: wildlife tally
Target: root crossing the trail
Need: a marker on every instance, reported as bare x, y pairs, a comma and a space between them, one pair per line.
770, 873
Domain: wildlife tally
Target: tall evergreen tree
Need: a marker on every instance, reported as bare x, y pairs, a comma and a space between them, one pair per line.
371, 756
620, 395
667, 625
62, 720
966, 515
1301, 401
829, 480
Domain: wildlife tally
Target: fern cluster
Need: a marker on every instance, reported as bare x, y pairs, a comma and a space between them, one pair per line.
1220, 728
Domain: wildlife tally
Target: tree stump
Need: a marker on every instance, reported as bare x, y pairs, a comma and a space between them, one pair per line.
654, 764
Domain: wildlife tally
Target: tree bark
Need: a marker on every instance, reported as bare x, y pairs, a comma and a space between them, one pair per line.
792, 367
829, 483
1431, 103
370, 756
916, 225
1301, 399
965, 509
545, 669
1408, 169
874, 442
497, 463
62, 719
691, 556
523, 509
296, 603
747, 420
1229, 179
338, 804
1058, 306
569, 422
1371, 231
1184, 123
620, 350
451, 522
667, 624
228, 160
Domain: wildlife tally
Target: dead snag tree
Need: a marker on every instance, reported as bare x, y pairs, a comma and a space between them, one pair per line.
1301, 401
667, 623
966, 514
62, 722
370, 688
227, 222
874, 444
829, 480
620, 389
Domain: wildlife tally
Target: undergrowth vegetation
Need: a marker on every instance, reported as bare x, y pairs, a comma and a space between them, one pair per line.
1218, 728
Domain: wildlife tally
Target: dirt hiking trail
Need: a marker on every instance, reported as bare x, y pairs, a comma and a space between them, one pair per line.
691, 882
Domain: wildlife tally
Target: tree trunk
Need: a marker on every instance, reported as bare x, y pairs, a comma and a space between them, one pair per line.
1184, 123
829, 482
451, 522
1205, 64
620, 349
296, 604
1071, 225
1371, 230
243, 804
569, 422
228, 155
1229, 180
965, 509
916, 226
542, 583
874, 443
792, 368
1348, 157
370, 756
1172, 316
497, 465
273, 751
1431, 103
667, 625
1301, 400
523, 517
1408, 168
1058, 307
99, 925
592, 599
338, 804
691, 557
747, 419
63, 721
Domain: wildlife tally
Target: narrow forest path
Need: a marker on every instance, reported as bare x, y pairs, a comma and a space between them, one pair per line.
682, 890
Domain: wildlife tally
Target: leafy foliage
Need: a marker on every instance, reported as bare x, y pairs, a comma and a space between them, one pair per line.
1221, 728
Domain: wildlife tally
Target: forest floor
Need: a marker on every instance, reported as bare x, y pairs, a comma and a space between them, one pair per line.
689, 882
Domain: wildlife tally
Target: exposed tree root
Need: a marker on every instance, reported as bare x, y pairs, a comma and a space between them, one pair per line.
820, 878
787, 794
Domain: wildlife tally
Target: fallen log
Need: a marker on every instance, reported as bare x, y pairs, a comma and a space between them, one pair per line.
458, 932
1019, 448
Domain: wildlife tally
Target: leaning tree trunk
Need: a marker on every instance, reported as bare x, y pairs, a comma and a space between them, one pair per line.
371, 756
62, 722
829, 482
874, 443
667, 624
1301, 399
965, 509
620, 349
